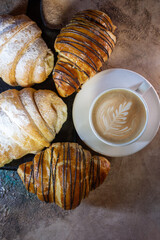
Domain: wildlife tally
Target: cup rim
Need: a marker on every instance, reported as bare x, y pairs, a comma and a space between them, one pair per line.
108, 142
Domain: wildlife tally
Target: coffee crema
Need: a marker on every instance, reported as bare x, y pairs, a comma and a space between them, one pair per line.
118, 116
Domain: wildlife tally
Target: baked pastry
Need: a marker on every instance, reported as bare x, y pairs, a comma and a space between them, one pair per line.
24, 57
83, 46
29, 121
64, 173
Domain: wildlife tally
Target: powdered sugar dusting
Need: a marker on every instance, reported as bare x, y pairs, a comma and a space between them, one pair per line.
22, 51
5, 21
10, 130
39, 74
39, 69
9, 30
5, 144
20, 132
27, 61
19, 116
12, 49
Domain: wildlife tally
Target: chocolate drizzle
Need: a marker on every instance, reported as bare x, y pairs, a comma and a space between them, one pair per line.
35, 189
70, 74
85, 45
75, 176
24, 179
90, 24
54, 179
98, 172
90, 19
42, 155
69, 157
58, 80
39, 160
70, 43
66, 173
74, 65
87, 37
50, 173
37, 173
89, 15
62, 80
95, 181
86, 42
101, 17
79, 173
94, 31
30, 177
83, 60
93, 184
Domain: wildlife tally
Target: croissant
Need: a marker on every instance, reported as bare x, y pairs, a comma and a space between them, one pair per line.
29, 121
64, 173
83, 46
24, 57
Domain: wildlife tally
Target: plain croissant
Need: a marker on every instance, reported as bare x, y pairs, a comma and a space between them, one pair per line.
64, 173
29, 121
24, 57
83, 46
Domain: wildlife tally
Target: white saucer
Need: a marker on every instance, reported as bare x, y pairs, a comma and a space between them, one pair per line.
110, 79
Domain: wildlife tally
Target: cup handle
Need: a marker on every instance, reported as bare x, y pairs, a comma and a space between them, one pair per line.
143, 88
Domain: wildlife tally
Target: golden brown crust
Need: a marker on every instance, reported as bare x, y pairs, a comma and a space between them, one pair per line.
64, 173
99, 17
67, 78
29, 121
24, 57
87, 41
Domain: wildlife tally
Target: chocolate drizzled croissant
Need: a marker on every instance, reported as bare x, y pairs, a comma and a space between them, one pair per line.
83, 46
64, 173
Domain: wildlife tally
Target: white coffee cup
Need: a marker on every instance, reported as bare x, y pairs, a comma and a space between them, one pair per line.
119, 116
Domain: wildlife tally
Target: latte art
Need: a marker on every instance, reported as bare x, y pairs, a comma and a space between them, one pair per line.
114, 120
118, 116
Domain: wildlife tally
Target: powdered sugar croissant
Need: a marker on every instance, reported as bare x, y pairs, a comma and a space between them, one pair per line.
24, 57
64, 173
29, 121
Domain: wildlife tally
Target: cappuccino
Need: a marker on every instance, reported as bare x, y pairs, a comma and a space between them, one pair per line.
118, 116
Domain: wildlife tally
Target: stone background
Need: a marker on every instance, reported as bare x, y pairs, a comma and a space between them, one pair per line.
127, 205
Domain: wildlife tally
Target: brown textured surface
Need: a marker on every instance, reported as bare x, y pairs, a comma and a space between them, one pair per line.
127, 205
56, 13
13, 7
